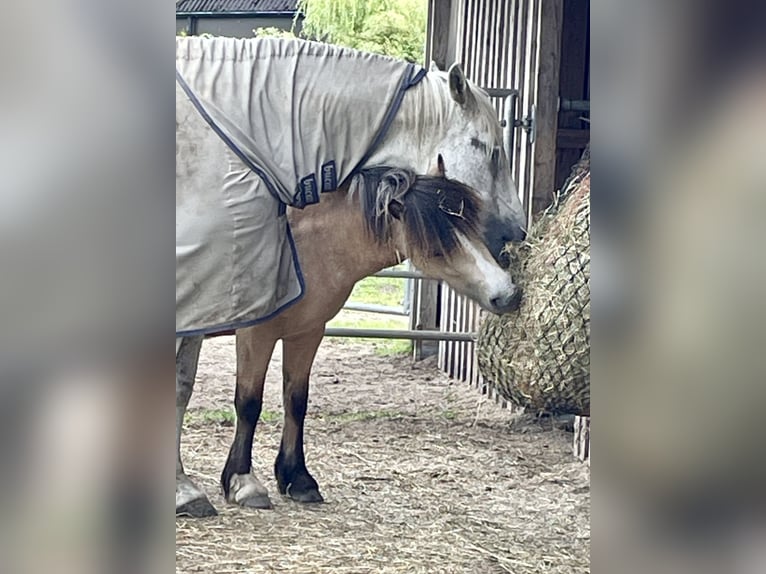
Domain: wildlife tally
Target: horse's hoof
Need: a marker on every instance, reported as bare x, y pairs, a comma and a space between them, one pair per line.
261, 501
311, 496
191, 500
198, 508
247, 491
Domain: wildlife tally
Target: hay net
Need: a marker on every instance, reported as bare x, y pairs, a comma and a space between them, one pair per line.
539, 357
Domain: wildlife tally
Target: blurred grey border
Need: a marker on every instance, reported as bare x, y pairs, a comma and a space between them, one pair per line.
679, 321
86, 287
87, 272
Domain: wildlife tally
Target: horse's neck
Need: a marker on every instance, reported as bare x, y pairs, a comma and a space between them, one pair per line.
331, 236
419, 125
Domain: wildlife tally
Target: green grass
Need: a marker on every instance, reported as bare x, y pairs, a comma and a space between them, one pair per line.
387, 291
226, 417
379, 290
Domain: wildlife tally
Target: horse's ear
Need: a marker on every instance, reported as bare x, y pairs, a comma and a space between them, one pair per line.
434, 67
438, 169
458, 86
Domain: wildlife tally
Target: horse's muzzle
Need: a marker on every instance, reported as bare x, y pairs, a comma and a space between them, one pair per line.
507, 303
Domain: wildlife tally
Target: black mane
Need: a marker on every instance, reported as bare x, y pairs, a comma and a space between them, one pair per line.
433, 209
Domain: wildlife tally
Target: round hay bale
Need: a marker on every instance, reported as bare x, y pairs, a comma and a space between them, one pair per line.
539, 356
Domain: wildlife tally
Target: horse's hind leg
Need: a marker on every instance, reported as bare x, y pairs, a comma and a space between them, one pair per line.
292, 476
239, 484
190, 500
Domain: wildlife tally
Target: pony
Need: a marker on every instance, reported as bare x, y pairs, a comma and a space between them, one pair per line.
444, 126
387, 215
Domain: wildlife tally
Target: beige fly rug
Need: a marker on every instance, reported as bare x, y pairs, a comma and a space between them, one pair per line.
262, 124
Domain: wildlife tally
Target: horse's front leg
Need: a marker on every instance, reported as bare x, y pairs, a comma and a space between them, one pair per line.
190, 499
239, 484
292, 476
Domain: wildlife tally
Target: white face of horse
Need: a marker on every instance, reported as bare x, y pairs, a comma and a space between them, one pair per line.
438, 223
473, 272
473, 154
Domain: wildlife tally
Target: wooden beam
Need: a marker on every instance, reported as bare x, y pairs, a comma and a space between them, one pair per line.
549, 62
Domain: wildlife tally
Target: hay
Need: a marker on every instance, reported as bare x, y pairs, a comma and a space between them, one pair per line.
539, 357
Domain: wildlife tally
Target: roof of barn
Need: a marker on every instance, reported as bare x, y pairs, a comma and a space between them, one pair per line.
246, 6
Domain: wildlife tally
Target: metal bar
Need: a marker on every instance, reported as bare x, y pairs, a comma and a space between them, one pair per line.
399, 273
407, 303
500, 92
398, 334
511, 104
373, 308
511, 97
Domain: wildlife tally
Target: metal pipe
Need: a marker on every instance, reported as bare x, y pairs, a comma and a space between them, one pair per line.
400, 274
500, 92
509, 134
372, 308
399, 334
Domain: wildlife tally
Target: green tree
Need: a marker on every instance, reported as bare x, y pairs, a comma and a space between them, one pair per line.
392, 27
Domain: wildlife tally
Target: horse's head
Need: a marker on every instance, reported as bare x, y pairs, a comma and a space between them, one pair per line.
437, 223
471, 151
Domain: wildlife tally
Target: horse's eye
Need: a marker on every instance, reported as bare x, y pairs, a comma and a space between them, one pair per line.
437, 255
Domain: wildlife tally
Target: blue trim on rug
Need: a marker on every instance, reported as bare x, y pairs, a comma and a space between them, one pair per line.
418, 76
243, 324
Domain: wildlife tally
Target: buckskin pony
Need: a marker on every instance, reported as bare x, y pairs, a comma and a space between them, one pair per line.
238, 265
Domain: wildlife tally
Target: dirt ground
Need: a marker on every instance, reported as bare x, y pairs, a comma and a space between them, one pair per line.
419, 473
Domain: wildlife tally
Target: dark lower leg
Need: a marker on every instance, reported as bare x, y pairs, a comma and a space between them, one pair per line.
239, 460
253, 356
290, 468
293, 478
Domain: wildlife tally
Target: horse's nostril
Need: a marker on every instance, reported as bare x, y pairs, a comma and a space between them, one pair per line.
507, 302
514, 236
515, 301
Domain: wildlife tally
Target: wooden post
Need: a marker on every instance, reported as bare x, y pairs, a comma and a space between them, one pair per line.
549, 62
424, 315
581, 445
